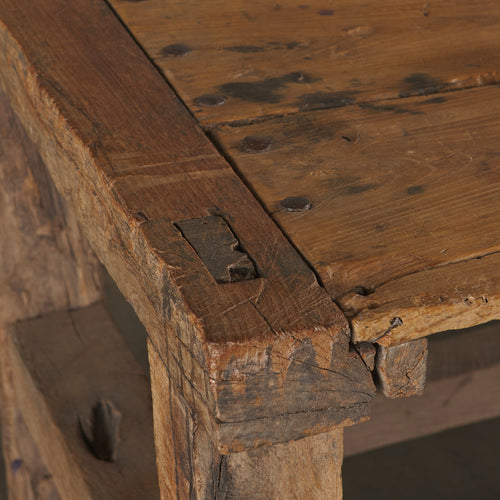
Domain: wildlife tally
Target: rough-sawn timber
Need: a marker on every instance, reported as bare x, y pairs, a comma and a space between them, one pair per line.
262, 361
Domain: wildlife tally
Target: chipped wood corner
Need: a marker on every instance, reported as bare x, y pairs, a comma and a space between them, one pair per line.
430, 301
401, 370
283, 382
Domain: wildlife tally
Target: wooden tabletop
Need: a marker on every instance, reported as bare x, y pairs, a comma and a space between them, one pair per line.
400, 209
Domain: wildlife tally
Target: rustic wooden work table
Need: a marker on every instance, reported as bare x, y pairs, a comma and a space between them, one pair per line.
291, 196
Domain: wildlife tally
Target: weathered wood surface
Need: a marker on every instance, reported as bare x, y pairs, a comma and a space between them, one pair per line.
57, 368
265, 58
401, 370
452, 297
218, 249
307, 468
458, 352
46, 264
132, 162
461, 388
450, 402
405, 198
28, 477
186, 454
367, 351
191, 466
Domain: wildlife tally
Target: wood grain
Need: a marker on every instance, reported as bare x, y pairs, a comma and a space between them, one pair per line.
186, 454
451, 297
132, 163
262, 58
401, 370
404, 197
193, 468
307, 468
28, 477
59, 365
46, 263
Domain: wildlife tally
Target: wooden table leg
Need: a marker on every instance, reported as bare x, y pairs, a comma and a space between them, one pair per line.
190, 465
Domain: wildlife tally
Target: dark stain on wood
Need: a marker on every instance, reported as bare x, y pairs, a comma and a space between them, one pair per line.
363, 290
420, 80
358, 188
415, 190
421, 84
15, 465
218, 248
245, 49
256, 144
435, 100
284, 45
295, 204
326, 100
326, 12
268, 90
102, 430
350, 136
305, 388
394, 108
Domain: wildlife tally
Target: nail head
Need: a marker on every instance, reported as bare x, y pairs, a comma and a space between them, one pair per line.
256, 144
395, 322
296, 204
175, 50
